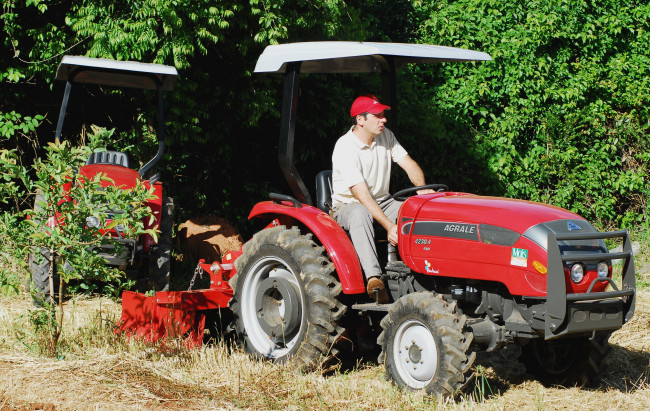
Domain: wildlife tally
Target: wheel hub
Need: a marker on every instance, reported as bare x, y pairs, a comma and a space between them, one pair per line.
278, 307
415, 354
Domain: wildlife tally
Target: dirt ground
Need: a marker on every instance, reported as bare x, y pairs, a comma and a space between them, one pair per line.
208, 237
100, 371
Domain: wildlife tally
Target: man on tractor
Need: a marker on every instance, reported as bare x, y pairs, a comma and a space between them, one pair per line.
361, 167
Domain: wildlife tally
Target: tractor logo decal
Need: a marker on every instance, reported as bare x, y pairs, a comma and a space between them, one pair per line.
573, 226
519, 257
429, 269
444, 229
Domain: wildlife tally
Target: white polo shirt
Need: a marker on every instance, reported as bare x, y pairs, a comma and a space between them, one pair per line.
354, 162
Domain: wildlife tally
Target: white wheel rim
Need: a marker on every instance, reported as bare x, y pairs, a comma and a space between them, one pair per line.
264, 268
415, 354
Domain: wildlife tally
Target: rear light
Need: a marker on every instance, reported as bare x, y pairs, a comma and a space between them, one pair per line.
577, 273
602, 269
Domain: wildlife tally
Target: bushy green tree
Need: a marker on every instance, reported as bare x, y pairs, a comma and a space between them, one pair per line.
62, 246
217, 103
561, 114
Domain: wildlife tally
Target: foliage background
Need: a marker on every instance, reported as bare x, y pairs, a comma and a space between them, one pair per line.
560, 115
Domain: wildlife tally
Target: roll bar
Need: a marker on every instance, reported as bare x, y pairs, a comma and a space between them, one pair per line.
79, 69
342, 57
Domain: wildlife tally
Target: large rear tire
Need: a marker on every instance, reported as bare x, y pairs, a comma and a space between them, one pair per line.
568, 362
161, 253
425, 344
285, 303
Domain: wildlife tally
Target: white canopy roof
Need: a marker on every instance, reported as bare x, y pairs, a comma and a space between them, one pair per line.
357, 57
115, 73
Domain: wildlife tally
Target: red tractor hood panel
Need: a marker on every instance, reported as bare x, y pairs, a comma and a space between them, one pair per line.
123, 177
459, 235
516, 215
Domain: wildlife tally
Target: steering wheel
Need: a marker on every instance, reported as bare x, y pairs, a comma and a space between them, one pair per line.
407, 192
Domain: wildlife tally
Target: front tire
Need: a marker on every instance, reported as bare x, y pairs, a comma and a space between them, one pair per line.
425, 344
568, 362
284, 300
38, 283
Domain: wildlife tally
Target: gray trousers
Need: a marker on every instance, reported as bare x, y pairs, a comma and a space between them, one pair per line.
357, 221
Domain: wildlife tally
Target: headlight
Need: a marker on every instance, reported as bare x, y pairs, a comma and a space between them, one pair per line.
92, 221
602, 269
577, 273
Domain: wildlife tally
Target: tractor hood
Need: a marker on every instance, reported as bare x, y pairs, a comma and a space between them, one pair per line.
122, 177
462, 215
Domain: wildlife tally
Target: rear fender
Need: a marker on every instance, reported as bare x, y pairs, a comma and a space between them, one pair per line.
329, 233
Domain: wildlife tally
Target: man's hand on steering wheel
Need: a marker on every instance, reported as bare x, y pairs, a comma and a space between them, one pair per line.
425, 189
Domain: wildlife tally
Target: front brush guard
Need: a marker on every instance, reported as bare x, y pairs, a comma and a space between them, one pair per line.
590, 311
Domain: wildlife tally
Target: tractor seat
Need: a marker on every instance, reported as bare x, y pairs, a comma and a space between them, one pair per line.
324, 190
324, 202
116, 158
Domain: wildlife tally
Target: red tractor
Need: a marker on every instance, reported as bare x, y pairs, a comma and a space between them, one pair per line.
471, 272
142, 258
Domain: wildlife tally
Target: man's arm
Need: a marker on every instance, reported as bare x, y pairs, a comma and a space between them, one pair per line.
415, 173
413, 170
362, 193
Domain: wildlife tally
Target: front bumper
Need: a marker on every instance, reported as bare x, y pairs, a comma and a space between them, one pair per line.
567, 314
121, 255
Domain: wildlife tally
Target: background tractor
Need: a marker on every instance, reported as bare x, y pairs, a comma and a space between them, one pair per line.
143, 259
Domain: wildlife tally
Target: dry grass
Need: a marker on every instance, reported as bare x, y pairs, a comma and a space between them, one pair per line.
102, 371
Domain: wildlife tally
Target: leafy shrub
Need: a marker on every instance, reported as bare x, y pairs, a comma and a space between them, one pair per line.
561, 114
56, 228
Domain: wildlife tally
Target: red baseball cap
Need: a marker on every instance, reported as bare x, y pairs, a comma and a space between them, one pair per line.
367, 104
